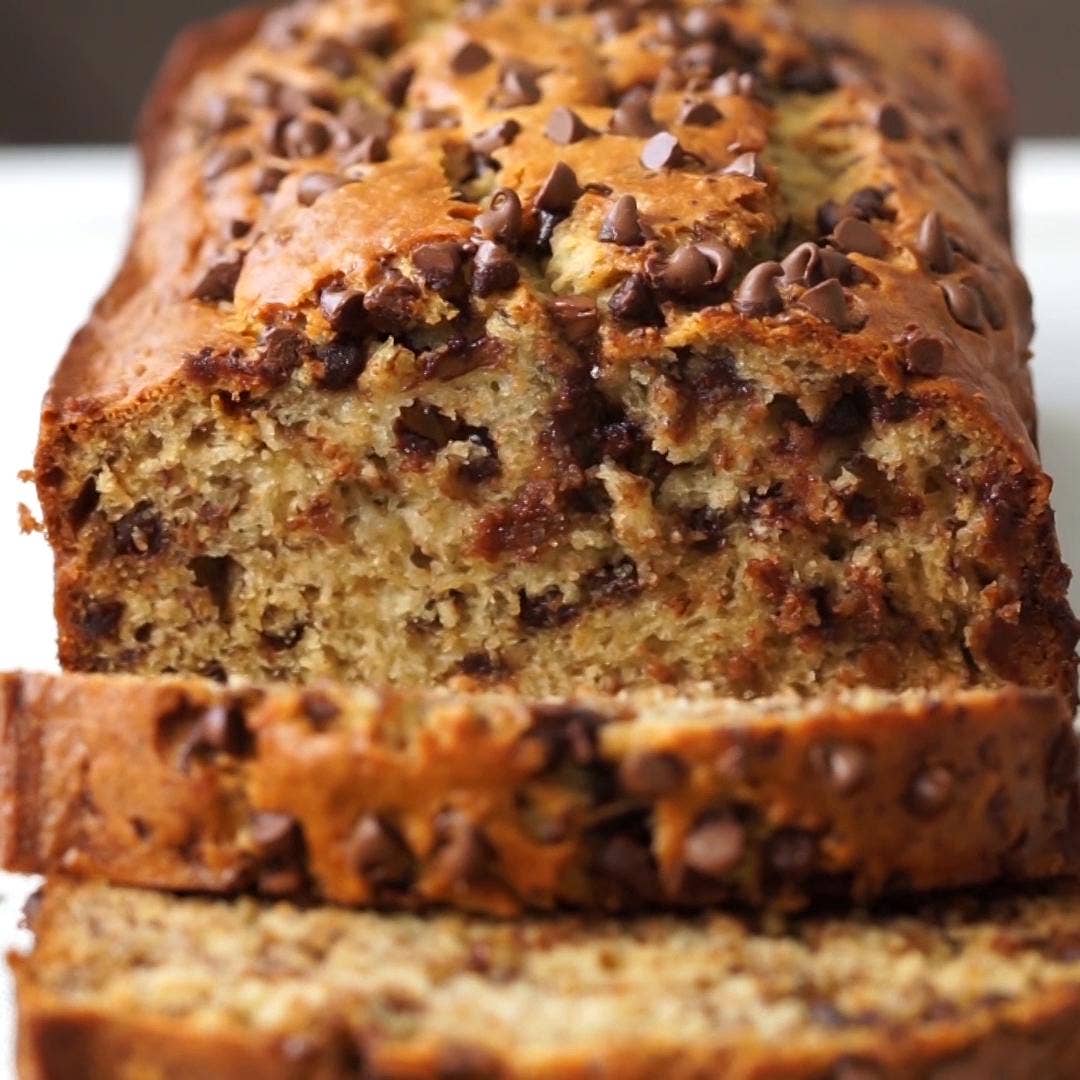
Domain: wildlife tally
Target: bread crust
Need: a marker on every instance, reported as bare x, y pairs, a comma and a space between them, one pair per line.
494, 803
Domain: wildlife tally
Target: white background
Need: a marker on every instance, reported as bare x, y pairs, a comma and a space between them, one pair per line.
63, 222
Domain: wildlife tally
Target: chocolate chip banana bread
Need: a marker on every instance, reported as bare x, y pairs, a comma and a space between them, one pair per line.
493, 803
563, 344
127, 984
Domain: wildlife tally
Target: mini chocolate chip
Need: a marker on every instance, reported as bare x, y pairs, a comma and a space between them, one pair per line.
652, 774
662, 151
827, 301
964, 304
394, 84
517, 86
313, 186
792, 853
218, 284
892, 123
379, 853
343, 308
715, 846
494, 269
933, 244
633, 115
747, 165
335, 56
494, 138
225, 160
275, 837
370, 150
721, 258
469, 57
845, 765
757, 294
392, 303
687, 271
931, 791
613, 21
622, 225
699, 114
464, 853
342, 363
439, 264
853, 235
302, 138
268, 180
633, 301
501, 222
576, 317
924, 355
564, 127
559, 191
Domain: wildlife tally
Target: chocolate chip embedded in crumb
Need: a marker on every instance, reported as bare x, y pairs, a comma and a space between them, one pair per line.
494, 138
933, 244
564, 127
748, 165
633, 116
517, 86
439, 264
225, 160
826, 301
715, 846
268, 180
468, 58
333, 55
622, 225
319, 708
463, 853
219, 282
576, 316
652, 774
494, 269
892, 123
1063, 760
370, 150
633, 301
964, 304
559, 191
343, 308
924, 355
221, 729
792, 854
629, 864
758, 295
662, 151
699, 114
378, 852
341, 363
303, 138
275, 837
931, 791
852, 235
394, 85
139, 532
313, 186
501, 222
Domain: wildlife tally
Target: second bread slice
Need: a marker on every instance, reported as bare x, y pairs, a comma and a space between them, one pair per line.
495, 803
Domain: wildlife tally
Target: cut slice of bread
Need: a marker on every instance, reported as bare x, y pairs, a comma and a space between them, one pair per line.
496, 803
134, 985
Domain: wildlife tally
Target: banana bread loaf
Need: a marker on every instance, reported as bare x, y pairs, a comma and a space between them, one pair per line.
132, 985
563, 344
493, 803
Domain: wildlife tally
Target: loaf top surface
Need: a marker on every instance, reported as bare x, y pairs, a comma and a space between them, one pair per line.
974, 985
635, 171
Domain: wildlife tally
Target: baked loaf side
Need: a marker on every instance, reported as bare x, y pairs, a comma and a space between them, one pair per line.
126, 984
494, 803
570, 348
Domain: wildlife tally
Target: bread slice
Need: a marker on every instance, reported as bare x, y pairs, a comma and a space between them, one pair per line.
494, 803
429, 357
132, 985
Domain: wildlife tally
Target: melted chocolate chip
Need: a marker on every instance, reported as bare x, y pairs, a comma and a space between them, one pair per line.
652, 774
933, 244
564, 127
100, 619
633, 116
892, 123
343, 308
464, 853
222, 115
501, 222
439, 265
559, 191
468, 58
220, 730
576, 316
808, 77
494, 269
924, 355
218, 284
758, 295
139, 532
662, 151
992, 305
379, 853
633, 301
622, 225
715, 846
964, 305
854, 235
274, 836
319, 708
342, 363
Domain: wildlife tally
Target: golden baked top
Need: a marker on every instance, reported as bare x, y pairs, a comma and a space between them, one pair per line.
795, 176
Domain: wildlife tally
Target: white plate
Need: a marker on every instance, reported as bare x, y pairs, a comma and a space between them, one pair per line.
64, 222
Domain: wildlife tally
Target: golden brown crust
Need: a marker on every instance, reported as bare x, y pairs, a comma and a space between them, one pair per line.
495, 803
996, 983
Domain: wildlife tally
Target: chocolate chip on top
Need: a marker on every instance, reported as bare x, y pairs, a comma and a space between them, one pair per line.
758, 295
699, 114
923, 355
379, 853
494, 138
934, 246
662, 151
622, 224
633, 301
827, 301
892, 123
469, 57
633, 115
518, 85
334, 56
748, 165
611, 22
370, 150
964, 304
501, 222
564, 127
695, 267
852, 235
494, 269
439, 264
559, 191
